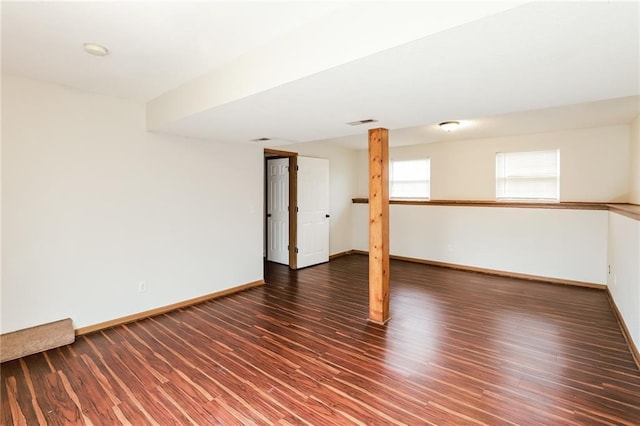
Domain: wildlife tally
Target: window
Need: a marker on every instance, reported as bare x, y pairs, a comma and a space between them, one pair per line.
410, 179
528, 175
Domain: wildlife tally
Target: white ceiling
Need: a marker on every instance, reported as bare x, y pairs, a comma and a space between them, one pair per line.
298, 71
155, 45
567, 117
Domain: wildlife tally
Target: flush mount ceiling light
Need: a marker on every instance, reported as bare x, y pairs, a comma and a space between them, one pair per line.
261, 140
449, 126
95, 49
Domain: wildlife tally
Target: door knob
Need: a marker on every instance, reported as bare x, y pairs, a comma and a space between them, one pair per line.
268, 214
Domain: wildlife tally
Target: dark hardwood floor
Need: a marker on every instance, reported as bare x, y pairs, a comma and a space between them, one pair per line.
461, 348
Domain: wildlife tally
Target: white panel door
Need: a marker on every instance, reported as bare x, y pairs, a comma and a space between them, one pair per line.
278, 210
313, 211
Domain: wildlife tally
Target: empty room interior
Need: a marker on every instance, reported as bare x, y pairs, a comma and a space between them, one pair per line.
320, 213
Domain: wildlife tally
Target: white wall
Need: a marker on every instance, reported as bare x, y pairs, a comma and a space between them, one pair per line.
92, 204
562, 244
598, 164
624, 279
342, 187
634, 156
594, 164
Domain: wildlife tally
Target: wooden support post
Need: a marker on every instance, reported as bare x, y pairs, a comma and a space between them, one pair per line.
379, 225
293, 215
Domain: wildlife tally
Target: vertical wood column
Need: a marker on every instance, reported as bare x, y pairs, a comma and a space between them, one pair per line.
379, 225
293, 213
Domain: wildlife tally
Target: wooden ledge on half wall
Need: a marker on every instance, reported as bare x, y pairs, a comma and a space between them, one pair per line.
630, 210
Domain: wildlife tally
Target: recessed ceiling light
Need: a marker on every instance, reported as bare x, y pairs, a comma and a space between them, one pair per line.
95, 49
449, 126
359, 122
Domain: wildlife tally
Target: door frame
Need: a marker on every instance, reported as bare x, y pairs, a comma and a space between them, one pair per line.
293, 199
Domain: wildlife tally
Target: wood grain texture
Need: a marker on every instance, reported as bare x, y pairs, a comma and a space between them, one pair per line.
574, 205
293, 209
463, 348
340, 254
631, 211
626, 209
163, 309
625, 330
379, 225
493, 271
31, 340
279, 153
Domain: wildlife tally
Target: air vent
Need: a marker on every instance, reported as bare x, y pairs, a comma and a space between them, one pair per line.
261, 140
359, 122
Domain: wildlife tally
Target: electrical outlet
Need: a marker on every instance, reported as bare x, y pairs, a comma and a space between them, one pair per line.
142, 286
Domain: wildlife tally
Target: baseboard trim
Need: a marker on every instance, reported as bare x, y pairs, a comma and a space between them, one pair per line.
635, 353
164, 309
493, 271
379, 322
340, 254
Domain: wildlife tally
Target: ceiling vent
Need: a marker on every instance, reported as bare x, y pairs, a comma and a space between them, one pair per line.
359, 122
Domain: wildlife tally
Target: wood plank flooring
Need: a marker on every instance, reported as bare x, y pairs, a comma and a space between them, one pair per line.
461, 348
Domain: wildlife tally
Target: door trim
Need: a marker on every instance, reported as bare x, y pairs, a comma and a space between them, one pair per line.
293, 211
293, 199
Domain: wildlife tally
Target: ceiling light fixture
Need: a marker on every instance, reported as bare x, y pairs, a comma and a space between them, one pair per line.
261, 140
449, 126
95, 49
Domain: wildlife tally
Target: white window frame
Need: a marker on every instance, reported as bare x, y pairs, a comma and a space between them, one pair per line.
395, 181
512, 178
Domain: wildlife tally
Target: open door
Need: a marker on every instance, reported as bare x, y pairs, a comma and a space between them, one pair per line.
278, 210
313, 211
